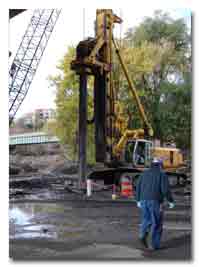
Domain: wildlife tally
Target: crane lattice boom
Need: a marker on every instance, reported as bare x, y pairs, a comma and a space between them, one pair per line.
28, 56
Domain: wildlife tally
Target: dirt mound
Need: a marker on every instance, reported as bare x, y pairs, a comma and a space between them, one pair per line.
42, 159
36, 159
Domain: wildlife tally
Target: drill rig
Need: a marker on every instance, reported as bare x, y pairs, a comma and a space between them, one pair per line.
128, 151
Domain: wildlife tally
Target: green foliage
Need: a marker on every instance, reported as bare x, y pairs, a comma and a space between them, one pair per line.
160, 26
158, 56
67, 98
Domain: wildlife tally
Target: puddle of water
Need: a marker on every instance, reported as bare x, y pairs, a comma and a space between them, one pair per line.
24, 211
17, 216
27, 235
39, 228
37, 220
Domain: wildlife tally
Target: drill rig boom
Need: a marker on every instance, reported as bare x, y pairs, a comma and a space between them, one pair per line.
94, 57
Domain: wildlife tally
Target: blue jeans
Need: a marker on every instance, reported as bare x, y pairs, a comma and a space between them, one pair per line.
152, 219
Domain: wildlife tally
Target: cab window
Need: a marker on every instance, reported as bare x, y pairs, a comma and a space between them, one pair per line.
140, 153
129, 152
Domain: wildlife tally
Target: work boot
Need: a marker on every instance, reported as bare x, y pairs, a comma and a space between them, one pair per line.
143, 241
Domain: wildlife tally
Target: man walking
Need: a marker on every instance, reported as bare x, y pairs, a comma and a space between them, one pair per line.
151, 190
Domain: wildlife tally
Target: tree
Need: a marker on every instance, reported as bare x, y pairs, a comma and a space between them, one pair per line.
67, 98
158, 56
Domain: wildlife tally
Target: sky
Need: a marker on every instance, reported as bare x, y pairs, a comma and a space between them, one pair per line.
70, 29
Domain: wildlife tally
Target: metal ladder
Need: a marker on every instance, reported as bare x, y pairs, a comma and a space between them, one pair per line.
28, 56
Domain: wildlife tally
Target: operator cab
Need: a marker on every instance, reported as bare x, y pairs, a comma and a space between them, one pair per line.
138, 152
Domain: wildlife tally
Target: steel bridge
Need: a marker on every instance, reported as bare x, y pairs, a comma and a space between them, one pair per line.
32, 138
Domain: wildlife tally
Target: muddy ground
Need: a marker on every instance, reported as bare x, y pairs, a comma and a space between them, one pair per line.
52, 223
49, 221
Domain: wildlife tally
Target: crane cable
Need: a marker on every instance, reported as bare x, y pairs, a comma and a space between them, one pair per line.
83, 23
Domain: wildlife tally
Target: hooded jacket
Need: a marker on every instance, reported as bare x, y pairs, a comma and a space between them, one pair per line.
153, 184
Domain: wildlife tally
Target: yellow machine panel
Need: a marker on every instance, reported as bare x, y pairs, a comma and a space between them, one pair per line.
172, 157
